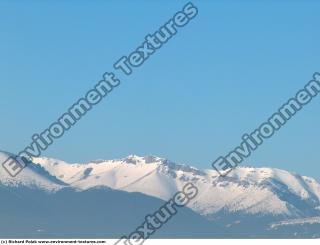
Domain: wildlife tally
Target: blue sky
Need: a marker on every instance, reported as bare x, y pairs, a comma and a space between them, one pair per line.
221, 76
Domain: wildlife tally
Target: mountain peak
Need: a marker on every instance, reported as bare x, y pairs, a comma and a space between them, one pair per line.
135, 159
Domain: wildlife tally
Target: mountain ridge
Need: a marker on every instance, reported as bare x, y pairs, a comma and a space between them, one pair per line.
265, 198
263, 191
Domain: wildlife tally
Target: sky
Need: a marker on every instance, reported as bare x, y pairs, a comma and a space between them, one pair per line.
221, 76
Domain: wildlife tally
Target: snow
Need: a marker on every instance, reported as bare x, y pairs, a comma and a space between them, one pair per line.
29, 177
248, 190
310, 221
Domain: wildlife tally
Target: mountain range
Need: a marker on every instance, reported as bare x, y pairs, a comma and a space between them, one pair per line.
110, 198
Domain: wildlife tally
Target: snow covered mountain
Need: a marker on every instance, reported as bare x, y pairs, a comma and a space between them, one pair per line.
262, 191
249, 202
34, 177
